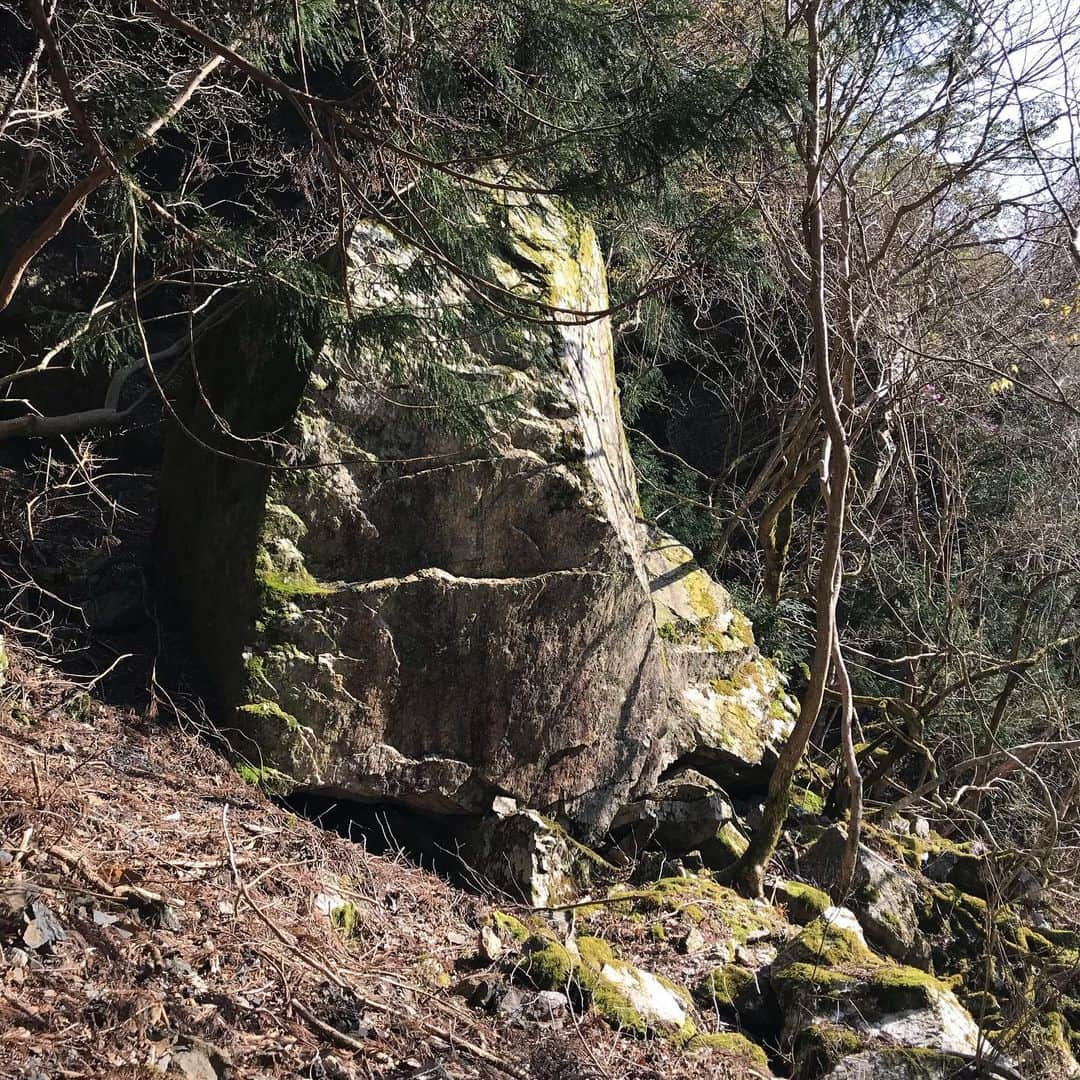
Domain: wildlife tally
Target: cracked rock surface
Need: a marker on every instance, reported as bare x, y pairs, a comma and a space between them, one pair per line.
405, 611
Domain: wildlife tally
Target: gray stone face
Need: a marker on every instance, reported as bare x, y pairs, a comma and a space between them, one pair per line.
898, 1065
405, 611
684, 811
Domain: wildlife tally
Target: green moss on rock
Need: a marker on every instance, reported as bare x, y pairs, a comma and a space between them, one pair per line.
289, 584
589, 971
821, 1046
804, 903
270, 712
509, 927
345, 918
719, 988
270, 780
734, 1043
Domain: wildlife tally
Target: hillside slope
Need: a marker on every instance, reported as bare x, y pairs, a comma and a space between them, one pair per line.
162, 917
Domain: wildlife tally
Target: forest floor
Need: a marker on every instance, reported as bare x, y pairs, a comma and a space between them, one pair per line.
160, 916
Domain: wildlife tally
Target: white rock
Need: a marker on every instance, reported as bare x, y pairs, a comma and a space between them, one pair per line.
649, 996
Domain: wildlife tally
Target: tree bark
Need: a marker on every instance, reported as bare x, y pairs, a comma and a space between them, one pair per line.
835, 464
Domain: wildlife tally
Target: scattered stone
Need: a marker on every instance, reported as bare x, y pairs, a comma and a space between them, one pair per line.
653, 866
692, 942
193, 1064
481, 991
158, 915
661, 1006
491, 945
25, 916
547, 1006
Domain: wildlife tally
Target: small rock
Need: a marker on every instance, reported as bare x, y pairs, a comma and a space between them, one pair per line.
692, 942
969, 872
510, 1002
658, 1005
547, 1006
194, 1064
157, 915
480, 991
491, 946
654, 865
42, 928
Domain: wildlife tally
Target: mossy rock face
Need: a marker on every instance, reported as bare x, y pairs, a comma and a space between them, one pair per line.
720, 987
884, 895
733, 711
820, 1047
509, 928
735, 1044
829, 975
804, 903
626, 997
700, 900
725, 847
1049, 1046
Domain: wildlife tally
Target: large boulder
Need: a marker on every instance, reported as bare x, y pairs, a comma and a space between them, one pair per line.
397, 599
685, 810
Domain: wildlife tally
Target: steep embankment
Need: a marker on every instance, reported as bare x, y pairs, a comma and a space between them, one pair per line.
161, 917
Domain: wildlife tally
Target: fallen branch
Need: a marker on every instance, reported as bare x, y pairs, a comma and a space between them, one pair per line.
124, 893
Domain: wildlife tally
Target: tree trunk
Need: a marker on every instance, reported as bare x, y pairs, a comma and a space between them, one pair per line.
749, 873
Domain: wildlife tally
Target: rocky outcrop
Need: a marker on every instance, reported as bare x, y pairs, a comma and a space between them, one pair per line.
396, 598
684, 811
883, 895
843, 1005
